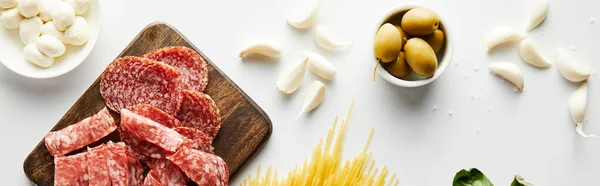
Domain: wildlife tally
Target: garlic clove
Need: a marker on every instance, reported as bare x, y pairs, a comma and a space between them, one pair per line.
314, 97
501, 35
570, 68
577, 107
327, 40
539, 13
530, 54
320, 66
268, 49
304, 18
290, 79
510, 72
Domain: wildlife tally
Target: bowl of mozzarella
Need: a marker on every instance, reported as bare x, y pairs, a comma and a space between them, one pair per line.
47, 38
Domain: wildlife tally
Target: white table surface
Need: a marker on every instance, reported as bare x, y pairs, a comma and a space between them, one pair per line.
501, 132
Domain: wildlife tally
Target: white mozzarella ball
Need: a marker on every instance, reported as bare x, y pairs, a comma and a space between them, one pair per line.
6, 4
63, 16
50, 46
30, 29
35, 56
80, 6
78, 33
11, 18
46, 7
28, 8
50, 29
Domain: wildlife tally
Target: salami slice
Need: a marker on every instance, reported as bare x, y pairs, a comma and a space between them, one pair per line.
136, 170
118, 164
203, 168
98, 166
80, 134
166, 172
151, 180
150, 131
155, 114
71, 170
198, 139
142, 149
191, 65
130, 80
199, 111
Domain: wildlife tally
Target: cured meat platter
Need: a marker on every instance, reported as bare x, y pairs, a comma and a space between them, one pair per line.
244, 129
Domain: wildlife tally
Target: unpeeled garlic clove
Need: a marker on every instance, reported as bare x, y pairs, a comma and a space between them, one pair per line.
577, 104
320, 66
267, 49
304, 18
510, 72
501, 35
327, 40
570, 68
290, 79
539, 13
314, 97
530, 54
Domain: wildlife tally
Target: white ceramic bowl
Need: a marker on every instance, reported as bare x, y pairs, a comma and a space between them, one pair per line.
11, 49
415, 80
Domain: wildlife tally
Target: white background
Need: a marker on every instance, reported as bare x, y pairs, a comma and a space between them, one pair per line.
501, 132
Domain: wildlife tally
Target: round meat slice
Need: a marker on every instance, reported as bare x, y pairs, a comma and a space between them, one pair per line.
191, 65
198, 139
199, 111
156, 115
203, 168
130, 80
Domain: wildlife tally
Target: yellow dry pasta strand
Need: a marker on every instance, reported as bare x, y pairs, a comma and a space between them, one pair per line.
392, 179
381, 178
396, 182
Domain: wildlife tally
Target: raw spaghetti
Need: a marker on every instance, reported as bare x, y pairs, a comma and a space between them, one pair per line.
326, 168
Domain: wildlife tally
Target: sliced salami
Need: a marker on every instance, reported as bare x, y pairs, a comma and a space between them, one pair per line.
198, 139
130, 80
80, 134
191, 65
155, 114
136, 170
166, 172
71, 170
199, 111
142, 149
150, 131
118, 164
203, 168
98, 166
151, 180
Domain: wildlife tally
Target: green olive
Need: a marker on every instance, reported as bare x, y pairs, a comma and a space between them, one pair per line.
399, 68
388, 43
420, 22
436, 40
420, 57
402, 34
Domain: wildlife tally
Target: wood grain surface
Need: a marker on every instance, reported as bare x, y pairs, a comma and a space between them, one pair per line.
245, 126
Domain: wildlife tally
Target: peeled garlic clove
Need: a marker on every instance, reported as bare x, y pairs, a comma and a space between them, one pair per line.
530, 54
577, 104
290, 79
539, 13
327, 40
35, 56
570, 68
510, 72
272, 50
30, 29
501, 35
314, 97
320, 66
302, 19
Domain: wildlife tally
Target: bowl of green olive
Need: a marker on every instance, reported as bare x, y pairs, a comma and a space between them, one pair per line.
412, 45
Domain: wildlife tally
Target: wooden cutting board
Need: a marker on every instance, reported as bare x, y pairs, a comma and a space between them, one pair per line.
245, 126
